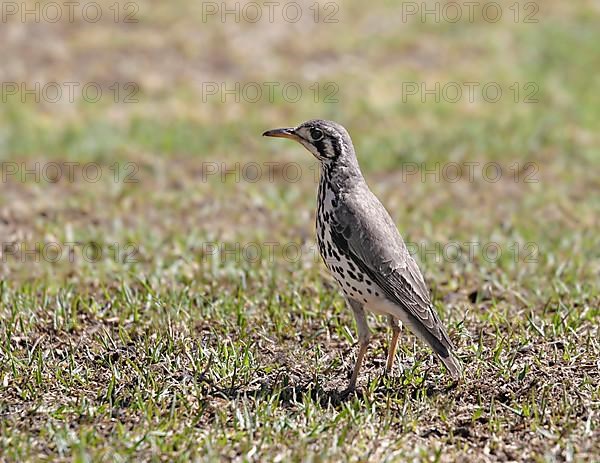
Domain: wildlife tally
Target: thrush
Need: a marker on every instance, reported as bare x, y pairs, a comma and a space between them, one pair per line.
363, 249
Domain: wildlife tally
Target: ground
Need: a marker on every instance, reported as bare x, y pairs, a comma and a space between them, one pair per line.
193, 318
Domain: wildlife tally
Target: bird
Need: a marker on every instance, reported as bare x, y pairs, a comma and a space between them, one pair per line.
364, 251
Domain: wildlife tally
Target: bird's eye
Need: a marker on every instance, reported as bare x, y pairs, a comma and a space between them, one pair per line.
316, 134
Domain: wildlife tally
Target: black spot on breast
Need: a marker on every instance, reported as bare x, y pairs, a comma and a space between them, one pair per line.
321, 248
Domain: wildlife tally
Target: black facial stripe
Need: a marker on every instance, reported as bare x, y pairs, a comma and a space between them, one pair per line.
320, 145
335, 144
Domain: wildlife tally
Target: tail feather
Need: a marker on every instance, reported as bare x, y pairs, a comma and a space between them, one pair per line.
443, 347
453, 365
438, 339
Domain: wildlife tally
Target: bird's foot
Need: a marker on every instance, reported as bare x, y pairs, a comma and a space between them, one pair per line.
350, 390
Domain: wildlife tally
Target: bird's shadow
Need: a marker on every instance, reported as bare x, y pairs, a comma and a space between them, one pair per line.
289, 392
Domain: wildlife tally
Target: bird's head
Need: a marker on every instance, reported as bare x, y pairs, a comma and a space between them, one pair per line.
328, 141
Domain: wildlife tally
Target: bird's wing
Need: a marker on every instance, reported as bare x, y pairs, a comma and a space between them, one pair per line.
363, 229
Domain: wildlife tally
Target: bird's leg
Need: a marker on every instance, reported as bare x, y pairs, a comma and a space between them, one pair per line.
364, 336
396, 327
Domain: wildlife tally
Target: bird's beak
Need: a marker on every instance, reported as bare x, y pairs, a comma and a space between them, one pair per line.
288, 132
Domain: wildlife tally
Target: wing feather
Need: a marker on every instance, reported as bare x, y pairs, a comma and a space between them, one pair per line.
378, 249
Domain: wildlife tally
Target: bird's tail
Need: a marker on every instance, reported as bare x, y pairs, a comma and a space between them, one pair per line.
436, 337
444, 349
441, 345
453, 365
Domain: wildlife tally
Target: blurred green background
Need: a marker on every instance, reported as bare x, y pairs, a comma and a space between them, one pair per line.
173, 71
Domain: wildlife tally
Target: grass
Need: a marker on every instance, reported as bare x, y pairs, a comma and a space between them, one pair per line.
177, 343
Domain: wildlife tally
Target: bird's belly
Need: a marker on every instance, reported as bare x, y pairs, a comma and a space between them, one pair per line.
383, 306
363, 290
353, 282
